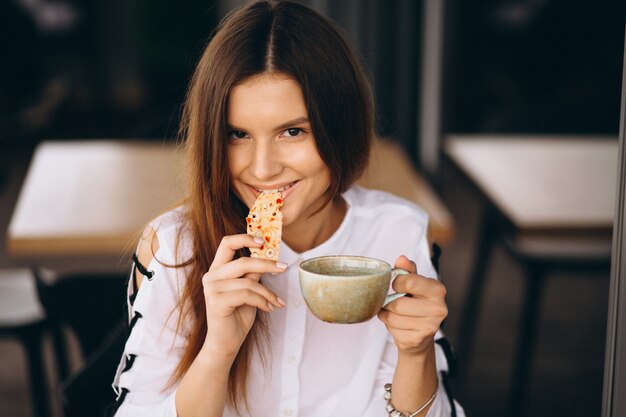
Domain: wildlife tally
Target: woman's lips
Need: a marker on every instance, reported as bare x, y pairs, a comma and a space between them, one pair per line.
289, 190
284, 190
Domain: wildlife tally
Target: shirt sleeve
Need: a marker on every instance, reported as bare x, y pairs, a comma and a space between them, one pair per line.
154, 346
441, 406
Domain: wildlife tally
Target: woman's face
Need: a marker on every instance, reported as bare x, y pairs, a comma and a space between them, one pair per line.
271, 145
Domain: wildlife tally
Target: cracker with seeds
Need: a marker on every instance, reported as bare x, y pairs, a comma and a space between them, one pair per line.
266, 221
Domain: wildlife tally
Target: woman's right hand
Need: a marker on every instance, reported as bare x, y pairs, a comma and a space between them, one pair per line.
233, 293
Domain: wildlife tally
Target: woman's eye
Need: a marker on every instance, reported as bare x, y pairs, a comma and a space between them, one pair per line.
294, 131
236, 134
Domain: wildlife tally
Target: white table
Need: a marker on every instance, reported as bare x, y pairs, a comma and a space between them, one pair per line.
550, 200
543, 183
81, 209
84, 203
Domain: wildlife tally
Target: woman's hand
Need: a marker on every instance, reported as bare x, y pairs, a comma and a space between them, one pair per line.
233, 293
413, 321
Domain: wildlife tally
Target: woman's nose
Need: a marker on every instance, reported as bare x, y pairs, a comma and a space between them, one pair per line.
266, 162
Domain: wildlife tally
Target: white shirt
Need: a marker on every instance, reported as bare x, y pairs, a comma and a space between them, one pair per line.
314, 368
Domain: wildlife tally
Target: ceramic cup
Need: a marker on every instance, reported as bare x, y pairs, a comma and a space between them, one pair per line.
347, 289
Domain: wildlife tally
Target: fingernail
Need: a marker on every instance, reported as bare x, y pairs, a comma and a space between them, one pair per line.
281, 301
281, 265
258, 239
270, 306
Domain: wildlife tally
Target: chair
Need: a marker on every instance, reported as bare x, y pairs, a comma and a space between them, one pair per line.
89, 304
539, 256
22, 317
87, 392
92, 306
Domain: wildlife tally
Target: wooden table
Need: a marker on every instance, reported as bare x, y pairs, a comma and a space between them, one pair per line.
391, 170
80, 211
84, 203
550, 201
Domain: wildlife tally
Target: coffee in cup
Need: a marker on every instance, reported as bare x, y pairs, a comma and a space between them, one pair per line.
347, 289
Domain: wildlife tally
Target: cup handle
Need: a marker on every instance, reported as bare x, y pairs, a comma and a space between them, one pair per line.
394, 296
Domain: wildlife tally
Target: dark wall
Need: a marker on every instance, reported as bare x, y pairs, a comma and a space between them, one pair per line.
111, 68
534, 66
120, 68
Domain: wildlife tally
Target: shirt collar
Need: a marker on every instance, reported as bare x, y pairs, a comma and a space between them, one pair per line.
332, 246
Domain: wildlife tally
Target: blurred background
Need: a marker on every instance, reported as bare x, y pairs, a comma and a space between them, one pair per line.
118, 69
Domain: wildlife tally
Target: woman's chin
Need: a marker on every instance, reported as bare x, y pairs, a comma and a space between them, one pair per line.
289, 216
286, 219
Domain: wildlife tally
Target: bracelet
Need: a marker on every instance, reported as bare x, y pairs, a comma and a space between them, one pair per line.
395, 413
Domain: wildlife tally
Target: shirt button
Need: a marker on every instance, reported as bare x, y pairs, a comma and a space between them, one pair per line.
288, 412
291, 360
297, 304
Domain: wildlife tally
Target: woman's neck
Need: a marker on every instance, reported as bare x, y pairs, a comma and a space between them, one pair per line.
308, 233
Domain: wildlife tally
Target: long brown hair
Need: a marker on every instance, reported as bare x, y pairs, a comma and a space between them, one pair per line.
266, 36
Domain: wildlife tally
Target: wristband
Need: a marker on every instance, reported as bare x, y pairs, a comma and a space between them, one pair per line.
395, 413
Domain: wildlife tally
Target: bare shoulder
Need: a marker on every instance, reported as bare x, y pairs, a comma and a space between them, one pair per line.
148, 246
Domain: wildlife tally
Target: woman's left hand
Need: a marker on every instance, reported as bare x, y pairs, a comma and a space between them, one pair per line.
413, 321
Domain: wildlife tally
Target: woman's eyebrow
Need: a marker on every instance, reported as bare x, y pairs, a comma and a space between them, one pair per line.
293, 122
285, 125
232, 127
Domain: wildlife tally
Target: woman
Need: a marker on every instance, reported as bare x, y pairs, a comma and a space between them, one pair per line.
278, 101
